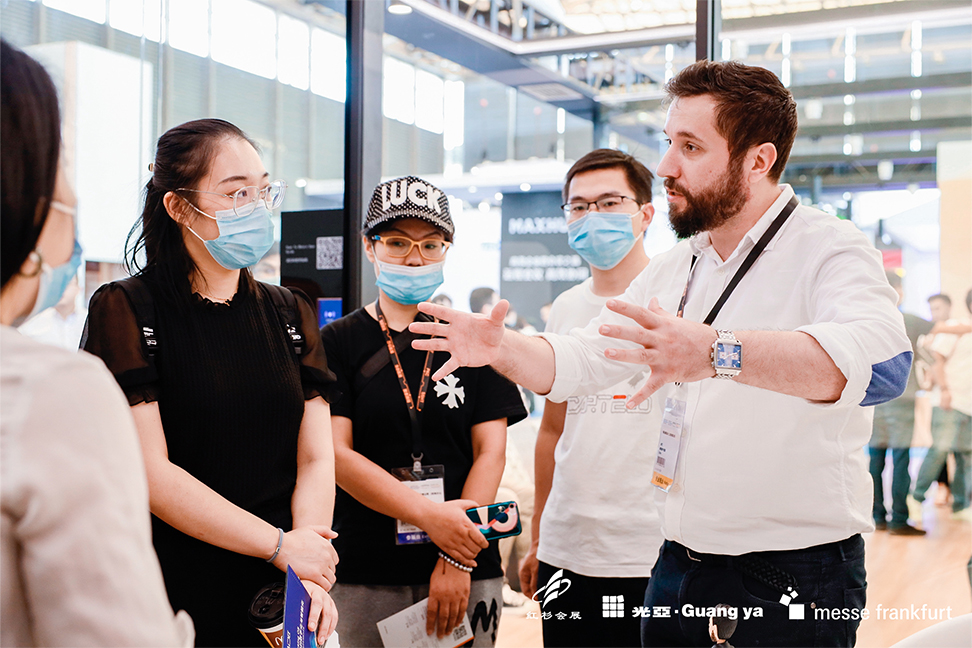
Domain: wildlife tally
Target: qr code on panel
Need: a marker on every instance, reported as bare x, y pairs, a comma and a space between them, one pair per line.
330, 252
459, 632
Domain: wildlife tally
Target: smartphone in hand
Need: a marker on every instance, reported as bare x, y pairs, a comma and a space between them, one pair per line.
496, 521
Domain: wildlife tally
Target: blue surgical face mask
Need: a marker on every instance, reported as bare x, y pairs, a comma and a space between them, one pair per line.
242, 240
409, 284
54, 281
602, 239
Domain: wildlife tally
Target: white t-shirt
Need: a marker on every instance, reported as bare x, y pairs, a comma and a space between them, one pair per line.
78, 566
958, 368
759, 470
600, 518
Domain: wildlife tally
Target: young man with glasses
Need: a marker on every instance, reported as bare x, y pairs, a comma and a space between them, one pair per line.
595, 522
411, 454
770, 332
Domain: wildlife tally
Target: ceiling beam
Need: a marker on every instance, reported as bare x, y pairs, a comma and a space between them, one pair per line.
866, 159
878, 86
868, 180
616, 104
807, 23
896, 126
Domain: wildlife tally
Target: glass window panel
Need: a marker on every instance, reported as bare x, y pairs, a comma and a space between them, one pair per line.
398, 90
137, 18
454, 122
428, 101
189, 26
244, 36
293, 68
126, 17
329, 58
89, 9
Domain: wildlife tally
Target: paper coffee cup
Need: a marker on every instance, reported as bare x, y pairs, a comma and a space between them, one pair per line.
267, 613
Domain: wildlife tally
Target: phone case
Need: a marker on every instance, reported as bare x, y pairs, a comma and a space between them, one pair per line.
496, 521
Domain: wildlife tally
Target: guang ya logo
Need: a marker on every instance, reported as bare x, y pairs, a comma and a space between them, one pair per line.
556, 587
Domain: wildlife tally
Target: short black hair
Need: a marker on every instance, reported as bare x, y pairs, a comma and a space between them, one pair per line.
725, 626
30, 129
942, 297
636, 173
479, 298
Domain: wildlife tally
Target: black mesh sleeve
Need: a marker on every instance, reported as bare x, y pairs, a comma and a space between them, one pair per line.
112, 333
315, 376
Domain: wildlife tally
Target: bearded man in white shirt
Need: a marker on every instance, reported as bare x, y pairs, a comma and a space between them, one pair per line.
763, 484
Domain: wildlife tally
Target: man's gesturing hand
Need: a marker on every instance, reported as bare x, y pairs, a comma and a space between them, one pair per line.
676, 349
472, 340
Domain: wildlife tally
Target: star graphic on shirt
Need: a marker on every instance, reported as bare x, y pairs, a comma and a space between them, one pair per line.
451, 390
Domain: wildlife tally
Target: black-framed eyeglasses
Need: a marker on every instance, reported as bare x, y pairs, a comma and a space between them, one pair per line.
401, 246
245, 198
577, 209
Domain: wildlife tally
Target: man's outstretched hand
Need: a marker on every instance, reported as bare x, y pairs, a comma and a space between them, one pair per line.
676, 349
472, 340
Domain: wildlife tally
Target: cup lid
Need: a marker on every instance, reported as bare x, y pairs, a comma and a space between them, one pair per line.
267, 607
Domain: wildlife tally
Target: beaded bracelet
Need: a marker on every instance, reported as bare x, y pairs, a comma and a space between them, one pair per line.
455, 563
279, 545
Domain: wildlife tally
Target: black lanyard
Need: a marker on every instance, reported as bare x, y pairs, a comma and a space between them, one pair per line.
746, 265
414, 407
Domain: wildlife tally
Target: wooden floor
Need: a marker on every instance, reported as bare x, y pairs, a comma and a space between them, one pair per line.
901, 572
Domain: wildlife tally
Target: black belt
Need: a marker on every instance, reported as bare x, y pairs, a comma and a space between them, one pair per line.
757, 564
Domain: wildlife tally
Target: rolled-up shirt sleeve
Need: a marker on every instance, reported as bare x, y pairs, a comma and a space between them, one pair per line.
854, 319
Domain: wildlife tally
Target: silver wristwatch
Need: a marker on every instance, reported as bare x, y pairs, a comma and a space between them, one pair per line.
726, 355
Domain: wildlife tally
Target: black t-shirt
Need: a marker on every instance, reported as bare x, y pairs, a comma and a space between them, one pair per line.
231, 393
381, 430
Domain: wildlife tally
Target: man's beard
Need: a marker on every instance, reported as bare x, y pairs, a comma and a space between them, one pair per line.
711, 206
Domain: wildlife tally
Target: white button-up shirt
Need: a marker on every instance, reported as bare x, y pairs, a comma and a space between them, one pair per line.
759, 470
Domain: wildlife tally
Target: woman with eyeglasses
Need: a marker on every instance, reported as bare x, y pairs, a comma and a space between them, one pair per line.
411, 454
231, 415
77, 562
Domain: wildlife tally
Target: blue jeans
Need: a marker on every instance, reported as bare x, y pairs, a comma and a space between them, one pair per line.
686, 584
951, 432
900, 485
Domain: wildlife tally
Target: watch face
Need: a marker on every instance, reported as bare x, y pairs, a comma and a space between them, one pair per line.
728, 356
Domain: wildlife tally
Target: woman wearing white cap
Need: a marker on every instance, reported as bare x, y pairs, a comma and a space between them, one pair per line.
412, 456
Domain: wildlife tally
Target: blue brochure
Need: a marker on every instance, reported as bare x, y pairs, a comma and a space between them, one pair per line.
296, 611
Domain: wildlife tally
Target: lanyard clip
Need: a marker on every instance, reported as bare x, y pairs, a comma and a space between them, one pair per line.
417, 463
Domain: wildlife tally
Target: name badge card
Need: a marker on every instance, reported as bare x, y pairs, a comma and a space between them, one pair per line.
427, 481
663, 475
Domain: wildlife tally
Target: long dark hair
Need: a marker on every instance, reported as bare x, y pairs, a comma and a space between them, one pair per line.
31, 137
183, 157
